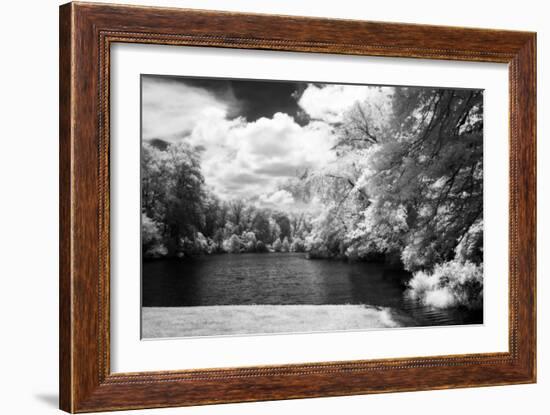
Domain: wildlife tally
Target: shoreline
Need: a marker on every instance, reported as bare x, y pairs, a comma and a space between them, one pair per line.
305, 255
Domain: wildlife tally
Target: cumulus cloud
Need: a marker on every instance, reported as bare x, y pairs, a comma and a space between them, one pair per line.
242, 159
329, 103
170, 109
276, 199
247, 160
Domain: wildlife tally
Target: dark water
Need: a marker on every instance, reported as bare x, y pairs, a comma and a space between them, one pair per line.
242, 279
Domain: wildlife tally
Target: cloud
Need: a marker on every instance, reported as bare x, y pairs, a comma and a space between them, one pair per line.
241, 159
329, 103
247, 160
276, 199
171, 109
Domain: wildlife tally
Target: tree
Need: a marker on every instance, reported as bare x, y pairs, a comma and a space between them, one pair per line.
407, 180
236, 211
429, 177
151, 239
213, 214
284, 224
173, 192
330, 229
229, 229
285, 246
277, 245
232, 245
274, 230
248, 239
260, 226
297, 245
247, 217
217, 240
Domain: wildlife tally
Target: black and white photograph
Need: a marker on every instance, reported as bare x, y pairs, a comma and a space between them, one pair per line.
275, 206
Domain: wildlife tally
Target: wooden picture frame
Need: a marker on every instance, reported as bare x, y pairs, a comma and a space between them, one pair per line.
86, 33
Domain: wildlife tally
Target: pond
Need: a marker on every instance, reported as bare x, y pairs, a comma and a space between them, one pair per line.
286, 279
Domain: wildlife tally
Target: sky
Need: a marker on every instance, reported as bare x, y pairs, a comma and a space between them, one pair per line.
255, 134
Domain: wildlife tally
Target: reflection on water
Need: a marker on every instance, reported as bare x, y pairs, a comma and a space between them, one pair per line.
285, 279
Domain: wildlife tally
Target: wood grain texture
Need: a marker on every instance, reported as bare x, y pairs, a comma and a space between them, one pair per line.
65, 247
86, 33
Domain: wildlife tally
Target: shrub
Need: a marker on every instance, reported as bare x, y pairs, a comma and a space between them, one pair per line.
419, 254
232, 244
471, 246
297, 245
277, 245
316, 248
151, 239
201, 243
249, 241
186, 248
450, 284
285, 246
156, 251
261, 247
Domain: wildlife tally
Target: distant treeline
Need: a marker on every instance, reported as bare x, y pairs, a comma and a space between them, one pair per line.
195, 222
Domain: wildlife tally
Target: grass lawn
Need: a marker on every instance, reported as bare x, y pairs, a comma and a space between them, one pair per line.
159, 322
